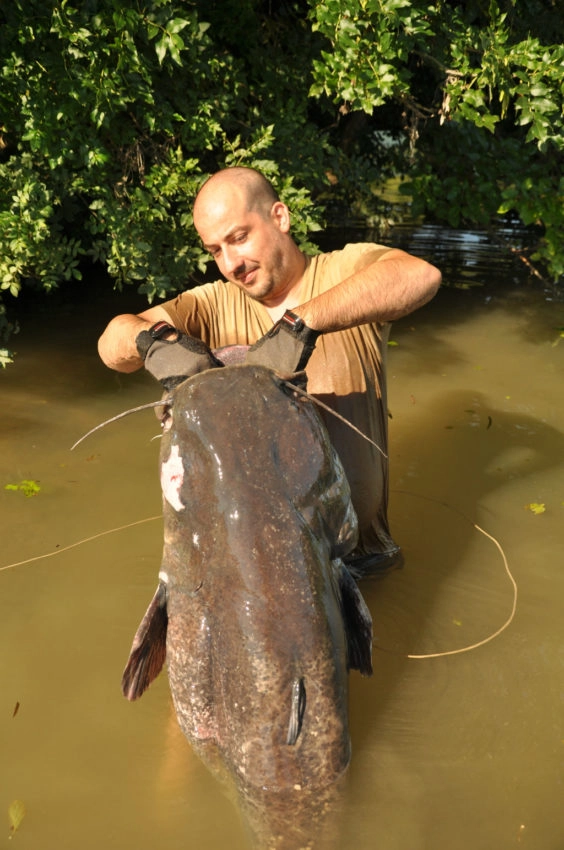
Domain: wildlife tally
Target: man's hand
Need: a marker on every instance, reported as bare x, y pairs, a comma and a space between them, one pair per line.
173, 360
286, 347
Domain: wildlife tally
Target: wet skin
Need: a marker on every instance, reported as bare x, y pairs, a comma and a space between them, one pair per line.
257, 515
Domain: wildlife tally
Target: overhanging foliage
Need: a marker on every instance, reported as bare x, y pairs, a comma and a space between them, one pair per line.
113, 113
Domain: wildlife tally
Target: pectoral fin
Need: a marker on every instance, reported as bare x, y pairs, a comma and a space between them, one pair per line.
358, 624
148, 651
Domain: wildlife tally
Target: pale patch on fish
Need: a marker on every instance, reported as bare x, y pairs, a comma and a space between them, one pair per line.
172, 477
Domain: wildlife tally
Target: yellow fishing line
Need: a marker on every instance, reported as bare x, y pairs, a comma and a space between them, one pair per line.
498, 631
79, 543
376, 646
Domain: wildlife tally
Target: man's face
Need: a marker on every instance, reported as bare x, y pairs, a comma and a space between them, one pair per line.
248, 246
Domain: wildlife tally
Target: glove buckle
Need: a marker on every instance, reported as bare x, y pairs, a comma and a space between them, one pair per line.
160, 329
294, 322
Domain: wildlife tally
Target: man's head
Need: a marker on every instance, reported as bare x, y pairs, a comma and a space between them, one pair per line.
258, 192
246, 228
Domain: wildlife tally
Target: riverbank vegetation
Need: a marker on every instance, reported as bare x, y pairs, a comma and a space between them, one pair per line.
111, 114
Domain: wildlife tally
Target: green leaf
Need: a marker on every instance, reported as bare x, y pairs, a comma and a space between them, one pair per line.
176, 25
16, 814
161, 47
5, 357
28, 487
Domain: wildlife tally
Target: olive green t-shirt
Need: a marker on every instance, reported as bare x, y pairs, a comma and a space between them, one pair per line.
346, 371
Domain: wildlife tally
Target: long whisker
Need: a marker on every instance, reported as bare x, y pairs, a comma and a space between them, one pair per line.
121, 416
335, 414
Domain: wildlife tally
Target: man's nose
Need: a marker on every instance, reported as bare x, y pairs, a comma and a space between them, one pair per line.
231, 259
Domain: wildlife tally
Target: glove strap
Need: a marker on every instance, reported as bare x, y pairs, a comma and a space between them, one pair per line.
145, 339
160, 329
298, 328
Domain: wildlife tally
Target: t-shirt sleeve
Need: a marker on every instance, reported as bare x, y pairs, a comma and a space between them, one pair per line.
328, 270
219, 314
190, 311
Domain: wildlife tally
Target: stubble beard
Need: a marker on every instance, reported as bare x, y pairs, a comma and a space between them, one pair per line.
271, 282
262, 290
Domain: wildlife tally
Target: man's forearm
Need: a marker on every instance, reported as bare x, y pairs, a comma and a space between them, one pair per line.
392, 287
116, 346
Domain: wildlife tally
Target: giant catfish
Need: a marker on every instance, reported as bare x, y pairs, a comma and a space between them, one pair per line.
257, 616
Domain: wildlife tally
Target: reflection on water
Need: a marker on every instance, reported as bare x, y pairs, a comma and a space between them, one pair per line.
461, 752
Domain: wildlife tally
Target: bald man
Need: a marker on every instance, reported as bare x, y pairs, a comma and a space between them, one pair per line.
328, 314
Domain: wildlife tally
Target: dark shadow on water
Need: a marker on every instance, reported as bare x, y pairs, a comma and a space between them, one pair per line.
501, 448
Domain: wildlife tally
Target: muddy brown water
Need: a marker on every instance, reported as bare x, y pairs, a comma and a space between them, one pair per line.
462, 751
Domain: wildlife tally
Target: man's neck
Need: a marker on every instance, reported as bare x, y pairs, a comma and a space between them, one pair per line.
292, 296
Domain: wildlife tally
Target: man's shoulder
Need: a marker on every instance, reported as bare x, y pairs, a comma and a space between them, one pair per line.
211, 293
353, 251
196, 307
332, 267
202, 290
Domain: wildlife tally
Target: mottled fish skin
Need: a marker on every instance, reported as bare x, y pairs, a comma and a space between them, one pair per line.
257, 516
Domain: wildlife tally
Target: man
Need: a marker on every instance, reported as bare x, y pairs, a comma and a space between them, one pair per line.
329, 313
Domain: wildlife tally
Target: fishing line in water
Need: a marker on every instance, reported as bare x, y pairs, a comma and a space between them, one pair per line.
80, 542
502, 628
498, 631
151, 404
414, 656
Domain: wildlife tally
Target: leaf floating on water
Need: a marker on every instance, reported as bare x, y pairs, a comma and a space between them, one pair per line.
28, 487
16, 813
392, 343
536, 508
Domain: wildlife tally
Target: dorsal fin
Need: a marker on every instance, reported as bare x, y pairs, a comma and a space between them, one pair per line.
148, 651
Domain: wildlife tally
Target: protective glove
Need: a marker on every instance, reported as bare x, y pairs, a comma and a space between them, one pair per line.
171, 361
286, 347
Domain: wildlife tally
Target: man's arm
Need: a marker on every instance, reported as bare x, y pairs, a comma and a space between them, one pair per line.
117, 346
387, 289
390, 287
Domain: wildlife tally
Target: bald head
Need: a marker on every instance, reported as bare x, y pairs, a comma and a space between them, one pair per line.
246, 229
248, 186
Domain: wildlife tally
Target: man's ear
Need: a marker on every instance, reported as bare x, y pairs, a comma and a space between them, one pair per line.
281, 216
